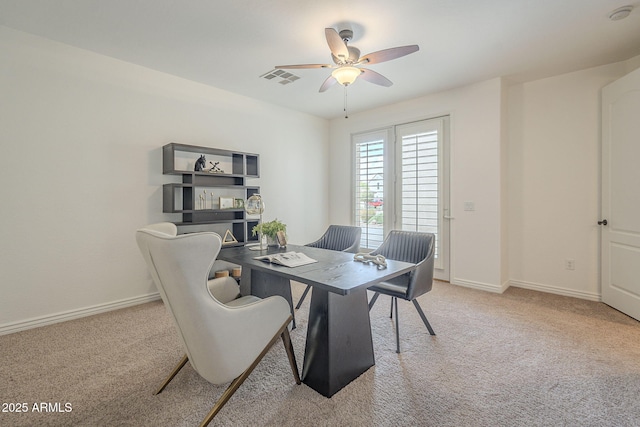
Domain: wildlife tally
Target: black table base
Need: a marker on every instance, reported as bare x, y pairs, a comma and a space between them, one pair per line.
339, 344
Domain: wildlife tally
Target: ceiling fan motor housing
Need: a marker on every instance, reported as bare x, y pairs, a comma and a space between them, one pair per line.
346, 35
354, 56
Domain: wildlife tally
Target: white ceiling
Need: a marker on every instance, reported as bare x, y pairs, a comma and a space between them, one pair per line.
229, 44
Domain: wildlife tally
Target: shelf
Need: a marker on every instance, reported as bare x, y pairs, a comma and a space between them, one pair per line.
211, 222
241, 230
180, 197
178, 159
183, 198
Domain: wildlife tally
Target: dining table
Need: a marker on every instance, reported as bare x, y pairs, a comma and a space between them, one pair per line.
339, 345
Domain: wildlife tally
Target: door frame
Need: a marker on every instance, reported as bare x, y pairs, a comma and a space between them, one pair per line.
615, 235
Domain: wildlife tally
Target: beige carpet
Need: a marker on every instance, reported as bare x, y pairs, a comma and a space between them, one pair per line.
519, 359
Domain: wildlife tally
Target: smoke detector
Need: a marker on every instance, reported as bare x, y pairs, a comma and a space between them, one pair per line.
620, 13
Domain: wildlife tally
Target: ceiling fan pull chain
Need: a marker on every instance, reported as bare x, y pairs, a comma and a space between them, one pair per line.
346, 115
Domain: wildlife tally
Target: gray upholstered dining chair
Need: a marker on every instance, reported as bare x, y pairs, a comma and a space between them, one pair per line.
343, 238
414, 247
223, 341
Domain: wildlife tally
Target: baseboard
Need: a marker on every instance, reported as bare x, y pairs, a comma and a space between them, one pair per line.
556, 290
37, 322
479, 285
23, 325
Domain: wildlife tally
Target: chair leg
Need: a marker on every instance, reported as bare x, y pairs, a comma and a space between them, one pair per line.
235, 384
424, 318
394, 301
173, 373
373, 300
288, 346
304, 295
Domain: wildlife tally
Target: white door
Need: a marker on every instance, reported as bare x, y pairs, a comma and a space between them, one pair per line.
620, 247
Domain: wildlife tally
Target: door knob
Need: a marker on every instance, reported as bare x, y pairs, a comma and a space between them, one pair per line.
603, 222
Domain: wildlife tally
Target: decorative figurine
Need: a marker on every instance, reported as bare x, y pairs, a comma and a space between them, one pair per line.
215, 168
229, 238
200, 164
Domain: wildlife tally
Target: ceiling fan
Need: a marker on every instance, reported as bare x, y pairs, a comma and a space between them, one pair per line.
347, 60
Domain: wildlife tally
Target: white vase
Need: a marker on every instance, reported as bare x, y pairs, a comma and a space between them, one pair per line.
272, 241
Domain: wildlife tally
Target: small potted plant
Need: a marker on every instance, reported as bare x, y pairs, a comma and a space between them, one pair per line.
270, 229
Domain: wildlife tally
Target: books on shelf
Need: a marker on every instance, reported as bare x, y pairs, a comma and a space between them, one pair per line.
288, 259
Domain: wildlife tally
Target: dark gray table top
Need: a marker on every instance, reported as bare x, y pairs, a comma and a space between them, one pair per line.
335, 271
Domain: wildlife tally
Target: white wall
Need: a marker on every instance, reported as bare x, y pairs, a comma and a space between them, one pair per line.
477, 172
554, 180
81, 170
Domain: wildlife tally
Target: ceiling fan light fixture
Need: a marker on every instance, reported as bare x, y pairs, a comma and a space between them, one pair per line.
346, 75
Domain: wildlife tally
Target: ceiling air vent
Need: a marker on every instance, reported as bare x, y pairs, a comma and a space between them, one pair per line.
620, 13
281, 76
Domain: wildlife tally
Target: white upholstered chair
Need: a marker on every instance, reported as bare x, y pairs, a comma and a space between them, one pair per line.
224, 338
222, 288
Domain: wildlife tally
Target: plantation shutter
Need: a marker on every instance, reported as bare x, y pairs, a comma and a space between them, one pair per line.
369, 186
418, 194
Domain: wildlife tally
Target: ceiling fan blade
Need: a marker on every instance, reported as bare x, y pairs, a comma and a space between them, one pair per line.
303, 66
388, 54
376, 78
336, 44
330, 81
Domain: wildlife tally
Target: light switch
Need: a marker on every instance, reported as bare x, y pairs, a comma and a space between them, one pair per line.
469, 206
